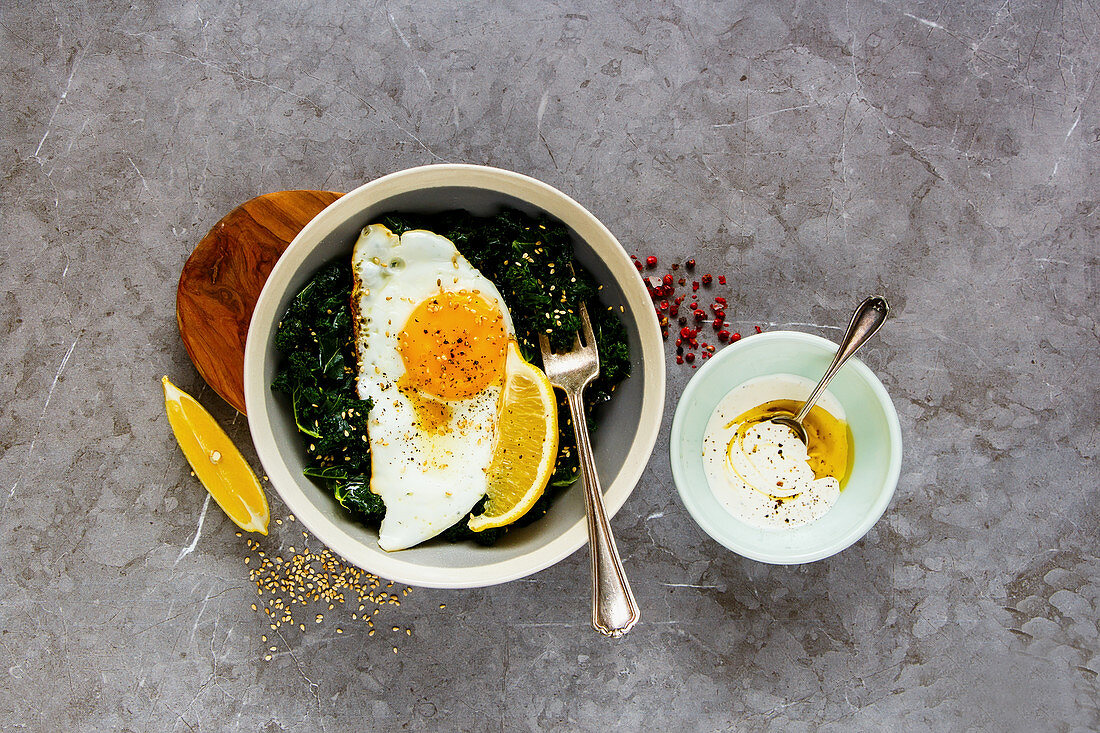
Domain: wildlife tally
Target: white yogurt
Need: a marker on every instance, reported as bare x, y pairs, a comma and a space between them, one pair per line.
765, 479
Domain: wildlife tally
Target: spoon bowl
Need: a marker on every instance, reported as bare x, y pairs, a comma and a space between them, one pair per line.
795, 425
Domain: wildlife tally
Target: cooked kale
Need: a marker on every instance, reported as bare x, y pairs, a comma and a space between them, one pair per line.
352, 491
319, 373
530, 260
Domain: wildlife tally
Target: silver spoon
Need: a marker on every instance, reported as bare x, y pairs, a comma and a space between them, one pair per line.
866, 321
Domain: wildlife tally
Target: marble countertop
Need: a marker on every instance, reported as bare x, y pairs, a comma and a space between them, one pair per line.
944, 154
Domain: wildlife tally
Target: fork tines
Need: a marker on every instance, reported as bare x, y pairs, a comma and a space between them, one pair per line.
589, 342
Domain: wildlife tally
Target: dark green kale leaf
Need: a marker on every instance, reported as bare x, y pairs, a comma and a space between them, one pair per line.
352, 491
614, 350
357, 498
318, 374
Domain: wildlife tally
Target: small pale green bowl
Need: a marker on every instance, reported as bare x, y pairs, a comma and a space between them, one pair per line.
876, 439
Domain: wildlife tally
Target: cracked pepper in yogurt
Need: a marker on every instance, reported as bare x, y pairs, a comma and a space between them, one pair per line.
760, 471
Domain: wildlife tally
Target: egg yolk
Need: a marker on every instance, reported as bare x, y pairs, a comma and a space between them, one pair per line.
453, 345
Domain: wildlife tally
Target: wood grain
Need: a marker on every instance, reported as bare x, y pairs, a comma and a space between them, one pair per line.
222, 279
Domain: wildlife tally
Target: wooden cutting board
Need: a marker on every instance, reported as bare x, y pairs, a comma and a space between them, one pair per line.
222, 279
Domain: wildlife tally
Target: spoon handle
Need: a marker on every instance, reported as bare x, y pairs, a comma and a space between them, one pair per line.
866, 321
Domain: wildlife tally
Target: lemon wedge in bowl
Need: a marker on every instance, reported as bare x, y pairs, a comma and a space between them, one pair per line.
218, 464
527, 444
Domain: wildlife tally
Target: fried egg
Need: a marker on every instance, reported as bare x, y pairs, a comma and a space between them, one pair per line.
431, 337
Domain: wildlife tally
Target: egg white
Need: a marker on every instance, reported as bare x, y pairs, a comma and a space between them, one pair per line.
427, 479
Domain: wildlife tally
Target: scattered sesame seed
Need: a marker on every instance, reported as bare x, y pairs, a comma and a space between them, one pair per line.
293, 583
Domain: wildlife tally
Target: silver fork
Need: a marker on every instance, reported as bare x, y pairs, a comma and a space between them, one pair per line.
614, 610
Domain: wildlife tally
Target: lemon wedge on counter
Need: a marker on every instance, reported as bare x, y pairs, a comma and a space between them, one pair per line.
527, 445
219, 465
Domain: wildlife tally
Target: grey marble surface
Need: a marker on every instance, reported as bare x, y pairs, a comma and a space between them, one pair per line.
944, 153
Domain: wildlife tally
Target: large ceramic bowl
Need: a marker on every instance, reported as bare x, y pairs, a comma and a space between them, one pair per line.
628, 424
876, 440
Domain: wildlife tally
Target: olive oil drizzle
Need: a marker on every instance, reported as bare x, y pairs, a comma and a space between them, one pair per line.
830, 445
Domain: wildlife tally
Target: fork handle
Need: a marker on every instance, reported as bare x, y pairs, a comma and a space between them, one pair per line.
614, 610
